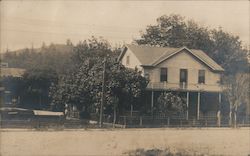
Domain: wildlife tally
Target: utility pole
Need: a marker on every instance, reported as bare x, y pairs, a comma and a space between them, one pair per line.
103, 93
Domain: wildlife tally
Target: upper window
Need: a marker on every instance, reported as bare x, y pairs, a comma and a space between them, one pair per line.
147, 76
164, 74
183, 75
127, 60
201, 77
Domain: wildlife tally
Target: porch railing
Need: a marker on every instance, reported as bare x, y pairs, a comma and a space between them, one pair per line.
185, 86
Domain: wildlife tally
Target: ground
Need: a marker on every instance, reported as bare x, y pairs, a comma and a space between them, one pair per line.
208, 141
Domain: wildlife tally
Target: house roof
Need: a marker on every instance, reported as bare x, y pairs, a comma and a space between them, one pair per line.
152, 56
15, 72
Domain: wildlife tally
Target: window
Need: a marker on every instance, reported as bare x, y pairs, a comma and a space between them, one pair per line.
201, 76
164, 74
127, 60
147, 76
183, 75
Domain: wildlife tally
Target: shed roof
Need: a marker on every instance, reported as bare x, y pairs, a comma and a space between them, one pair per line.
15, 72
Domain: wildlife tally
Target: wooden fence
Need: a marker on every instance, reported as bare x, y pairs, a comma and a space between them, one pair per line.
122, 122
177, 121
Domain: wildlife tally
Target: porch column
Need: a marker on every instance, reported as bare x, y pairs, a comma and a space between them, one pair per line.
187, 105
152, 102
218, 112
131, 110
198, 106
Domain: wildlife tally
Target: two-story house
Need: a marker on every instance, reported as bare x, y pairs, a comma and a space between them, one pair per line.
189, 72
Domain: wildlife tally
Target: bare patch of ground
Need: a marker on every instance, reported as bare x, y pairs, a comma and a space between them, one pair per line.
207, 141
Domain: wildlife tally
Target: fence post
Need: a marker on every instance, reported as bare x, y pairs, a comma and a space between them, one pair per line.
124, 121
140, 121
193, 122
168, 121
218, 119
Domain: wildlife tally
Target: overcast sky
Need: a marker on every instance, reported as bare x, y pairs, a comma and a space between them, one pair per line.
24, 23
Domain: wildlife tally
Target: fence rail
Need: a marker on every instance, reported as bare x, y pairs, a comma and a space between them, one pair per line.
175, 121
124, 122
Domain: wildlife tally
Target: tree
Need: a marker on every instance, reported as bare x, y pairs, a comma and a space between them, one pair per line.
237, 93
174, 31
82, 87
169, 104
35, 88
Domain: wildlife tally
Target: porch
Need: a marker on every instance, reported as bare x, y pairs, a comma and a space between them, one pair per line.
200, 105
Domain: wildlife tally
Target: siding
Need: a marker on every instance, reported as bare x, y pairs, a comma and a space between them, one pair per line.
134, 62
186, 61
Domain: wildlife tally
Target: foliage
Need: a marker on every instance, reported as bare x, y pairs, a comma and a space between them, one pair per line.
237, 92
35, 88
160, 152
174, 31
168, 103
54, 57
83, 86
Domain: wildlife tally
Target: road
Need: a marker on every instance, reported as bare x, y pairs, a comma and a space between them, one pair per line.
209, 141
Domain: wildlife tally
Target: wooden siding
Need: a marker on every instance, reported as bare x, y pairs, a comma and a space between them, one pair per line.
184, 60
133, 62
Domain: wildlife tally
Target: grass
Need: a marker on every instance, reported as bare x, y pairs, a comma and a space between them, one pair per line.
165, 152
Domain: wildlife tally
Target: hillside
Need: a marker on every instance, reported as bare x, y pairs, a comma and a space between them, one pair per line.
54, 56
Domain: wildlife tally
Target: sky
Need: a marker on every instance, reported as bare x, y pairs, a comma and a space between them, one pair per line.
26, 22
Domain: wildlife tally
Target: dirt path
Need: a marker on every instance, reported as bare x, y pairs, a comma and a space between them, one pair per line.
211, 141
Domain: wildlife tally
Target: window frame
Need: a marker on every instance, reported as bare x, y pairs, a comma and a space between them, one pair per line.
164, 77
202, 77
127, 60
180, 76
147, 75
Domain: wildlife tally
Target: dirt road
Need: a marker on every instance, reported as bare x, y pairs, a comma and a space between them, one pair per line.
209, 141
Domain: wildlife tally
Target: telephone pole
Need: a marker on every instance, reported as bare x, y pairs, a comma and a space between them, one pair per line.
103, 94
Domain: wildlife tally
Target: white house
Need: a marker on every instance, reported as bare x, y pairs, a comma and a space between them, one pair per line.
189, 71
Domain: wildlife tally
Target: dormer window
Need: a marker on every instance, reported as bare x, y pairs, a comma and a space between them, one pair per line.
127, 60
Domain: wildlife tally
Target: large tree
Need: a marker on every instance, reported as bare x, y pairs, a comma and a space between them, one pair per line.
82, 87
237, 93
175, 31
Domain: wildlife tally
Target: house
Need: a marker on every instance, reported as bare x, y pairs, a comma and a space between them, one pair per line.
7, 87
190, 72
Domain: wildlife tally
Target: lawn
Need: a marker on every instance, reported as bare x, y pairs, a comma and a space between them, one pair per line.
206, 141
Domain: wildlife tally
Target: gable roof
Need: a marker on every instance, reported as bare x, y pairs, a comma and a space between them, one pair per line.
152, 56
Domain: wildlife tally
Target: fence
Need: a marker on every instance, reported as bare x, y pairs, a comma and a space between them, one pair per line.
124, 121
179, 121
44, 123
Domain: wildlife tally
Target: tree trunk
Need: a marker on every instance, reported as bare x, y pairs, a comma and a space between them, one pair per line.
230, 118
235, 119
235, 116
114, 118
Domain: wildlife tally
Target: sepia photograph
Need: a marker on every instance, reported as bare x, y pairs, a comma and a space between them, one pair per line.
124, 78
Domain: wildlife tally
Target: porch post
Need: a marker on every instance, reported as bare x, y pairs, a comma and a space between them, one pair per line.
131, 110
187, 105
152, 102
198, 106
218, 112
